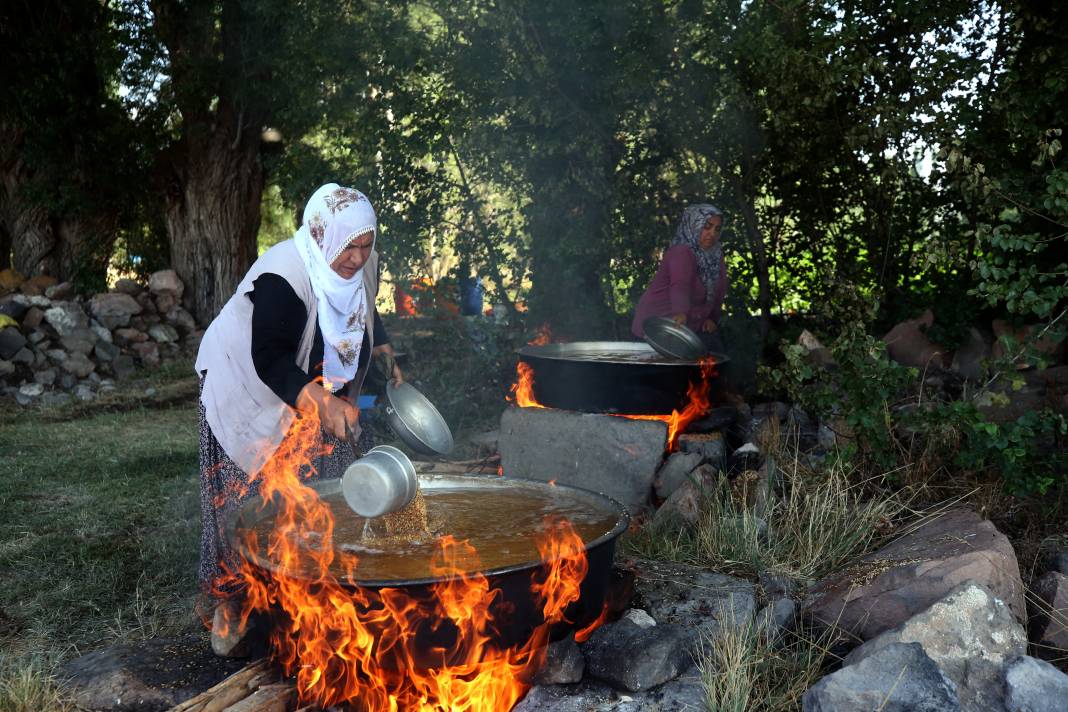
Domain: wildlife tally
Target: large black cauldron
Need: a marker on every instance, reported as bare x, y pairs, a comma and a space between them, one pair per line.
516, 609
625, 377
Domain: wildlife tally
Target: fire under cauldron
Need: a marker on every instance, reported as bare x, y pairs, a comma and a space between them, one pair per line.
516, 609
622, 377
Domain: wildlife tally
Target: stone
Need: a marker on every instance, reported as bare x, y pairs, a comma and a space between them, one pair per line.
773, 408
56, 355
825, 437
165, 302
79, 365
719, 418
564, 663
1060, 561
633, 658
639, 618
710, 446
970, 355
704, 602
776, 618
14, 309
55, 399
102, 332
885, 588
604, 453
166, 282
123, 367
1033, 685
150, 675
776, 584
60, 292
31, 390
114, 309
67, 381
38, 284
84, 393
163, 333
79, 341
148, 304
34, 317
24, 356
675, 471
970, 635
11, 342
66, 317
1050, 623
148, 352
127, 286
46, 377
11, 279
36, 337
746, 457
184, 320
6, 368
685, 505
815, 352
105, 351
907, 343
899, 678
584, 697
129, 336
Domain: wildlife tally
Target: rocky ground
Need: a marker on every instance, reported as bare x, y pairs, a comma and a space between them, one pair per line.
57, 346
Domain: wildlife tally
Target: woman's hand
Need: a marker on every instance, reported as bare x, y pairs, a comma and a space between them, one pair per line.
709, 327
679, 318
388, 349
337, 416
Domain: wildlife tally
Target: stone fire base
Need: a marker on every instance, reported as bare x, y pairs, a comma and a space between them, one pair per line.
604, 453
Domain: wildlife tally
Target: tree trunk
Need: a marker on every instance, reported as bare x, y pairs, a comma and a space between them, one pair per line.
760, 256
213, 210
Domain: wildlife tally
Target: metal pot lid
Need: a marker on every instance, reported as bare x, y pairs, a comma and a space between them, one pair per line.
673, 340
423, 427
621, 352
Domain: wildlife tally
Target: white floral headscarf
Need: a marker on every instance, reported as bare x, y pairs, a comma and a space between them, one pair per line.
333, 218
709, 262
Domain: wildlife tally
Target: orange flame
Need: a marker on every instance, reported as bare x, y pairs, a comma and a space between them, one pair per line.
350, 644
581, 636
697, 394
543, 335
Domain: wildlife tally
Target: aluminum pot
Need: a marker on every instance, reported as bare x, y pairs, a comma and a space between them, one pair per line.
381, 481
625, 377
516, 610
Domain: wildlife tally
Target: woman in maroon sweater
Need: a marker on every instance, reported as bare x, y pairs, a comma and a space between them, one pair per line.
691, 282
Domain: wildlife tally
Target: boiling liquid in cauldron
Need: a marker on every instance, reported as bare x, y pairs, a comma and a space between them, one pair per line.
500, 523
611, 356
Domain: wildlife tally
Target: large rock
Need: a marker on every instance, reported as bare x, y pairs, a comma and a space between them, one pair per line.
114, 309
970, 635
11, 279
148, 352
1050, 624
66, 317
686, 504
604, 453
182, 319
887, 587
1047, 345
166, 282
702, 601
163, 333
675, 471
970, 355
563, 664
127, 286
79, 341
1035, 686
78, 365
630, 657
907, 343
151, 675
710, 446
11, 342
584, 697
899, 678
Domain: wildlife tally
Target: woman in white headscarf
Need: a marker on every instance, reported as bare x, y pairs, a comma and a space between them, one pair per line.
297, 335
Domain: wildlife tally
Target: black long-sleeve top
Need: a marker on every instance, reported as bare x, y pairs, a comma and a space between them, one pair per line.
278, 319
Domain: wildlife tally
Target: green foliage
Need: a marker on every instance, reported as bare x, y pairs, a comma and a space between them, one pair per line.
858, 395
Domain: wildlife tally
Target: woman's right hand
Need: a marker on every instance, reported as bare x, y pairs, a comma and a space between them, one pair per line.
679, 318
336, 415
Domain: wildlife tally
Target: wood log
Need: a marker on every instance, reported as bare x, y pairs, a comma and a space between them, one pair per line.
234, 688
269, 698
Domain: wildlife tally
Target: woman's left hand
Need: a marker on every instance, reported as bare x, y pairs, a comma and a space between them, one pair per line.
709, 326
398, 376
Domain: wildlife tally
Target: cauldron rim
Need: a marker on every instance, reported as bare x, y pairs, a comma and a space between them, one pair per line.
328, 486
567, 351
